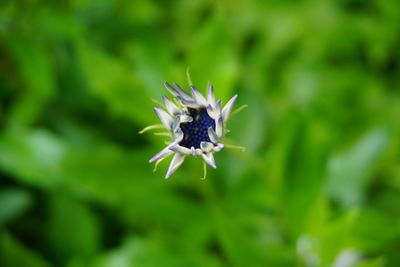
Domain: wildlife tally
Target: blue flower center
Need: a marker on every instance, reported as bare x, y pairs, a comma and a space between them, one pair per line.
196, 131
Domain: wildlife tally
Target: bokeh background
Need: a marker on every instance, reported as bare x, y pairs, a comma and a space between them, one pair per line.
319, 184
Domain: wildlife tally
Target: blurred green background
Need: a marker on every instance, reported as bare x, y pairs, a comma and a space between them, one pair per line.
319, 184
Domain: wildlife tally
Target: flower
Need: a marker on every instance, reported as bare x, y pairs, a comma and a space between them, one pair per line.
195, 123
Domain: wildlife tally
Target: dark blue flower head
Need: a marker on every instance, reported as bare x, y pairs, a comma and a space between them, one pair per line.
196, 125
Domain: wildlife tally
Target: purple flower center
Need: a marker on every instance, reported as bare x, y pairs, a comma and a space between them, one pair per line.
196, 131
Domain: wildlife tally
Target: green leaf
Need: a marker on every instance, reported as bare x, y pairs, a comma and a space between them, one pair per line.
349, 171
13, 203
112, 80
73, 230
14, 253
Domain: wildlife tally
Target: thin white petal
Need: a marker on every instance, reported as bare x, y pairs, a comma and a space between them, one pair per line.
175, 123
164, 117
211, 111
178, 135
219, 127
193, 151
206, 146
212, 135
162, 154
182, 92
170, 89
210, 95
171, 107
218, 107
209, 159
180, 149
191, 103
228, 107
219, 147
214, 111
198, 96
177, 161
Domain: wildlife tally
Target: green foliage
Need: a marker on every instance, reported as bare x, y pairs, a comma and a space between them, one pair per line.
319, 184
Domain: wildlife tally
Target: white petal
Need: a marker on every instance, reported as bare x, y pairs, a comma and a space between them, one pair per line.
180, 149
209, 159
206, 146
191, 103
198, 96
198, 151
210, 95
164, 117
214, 112
162, 154
182, 93
212, 135
219, 147
193, 151
171, 107
177, 161
219, 127
170, 89
228, 107
185, 118
178, 135
175, 123
211, 111
218, 106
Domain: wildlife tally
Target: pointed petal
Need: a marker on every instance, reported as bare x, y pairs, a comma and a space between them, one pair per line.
175, 123
213, 136
170, 89
211, 111
219, 147
171, 107
214, 111
228, 107
182, 92
180, 149
210, 95
177, 161
219, 127
218, 106
162, 154
198, 96
206, 146
178, 135
209, 159
164, 117
191, 103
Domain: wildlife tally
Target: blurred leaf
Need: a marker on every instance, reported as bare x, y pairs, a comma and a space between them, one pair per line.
73, 230
33, 157
378, 262
374, 230
213, 58
35, 68
13, 253
348, 173
13, 202
303, 170
153, 62
123, 256
113, 81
